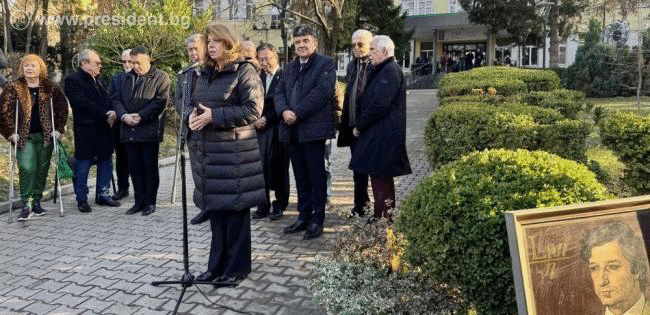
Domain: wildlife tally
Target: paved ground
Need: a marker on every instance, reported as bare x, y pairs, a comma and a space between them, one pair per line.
104, 262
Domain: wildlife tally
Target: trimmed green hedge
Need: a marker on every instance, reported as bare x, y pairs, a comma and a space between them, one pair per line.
454, 222
628, 135
488, 99
567, 102
506, 80
460, 128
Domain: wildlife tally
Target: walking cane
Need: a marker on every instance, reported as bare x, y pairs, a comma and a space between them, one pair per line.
11, 169
57, 183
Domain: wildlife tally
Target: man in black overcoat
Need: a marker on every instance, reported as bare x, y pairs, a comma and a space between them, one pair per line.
304, 99
275, 160
93, 119
140, 100
381, 128
357, 74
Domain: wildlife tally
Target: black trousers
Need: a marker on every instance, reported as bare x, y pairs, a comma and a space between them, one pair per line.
230, 250
143, 168
308, 160
361, 197
275, 162
121, 161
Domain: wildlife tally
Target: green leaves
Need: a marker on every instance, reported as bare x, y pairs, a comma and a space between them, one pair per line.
454, 223
628, 135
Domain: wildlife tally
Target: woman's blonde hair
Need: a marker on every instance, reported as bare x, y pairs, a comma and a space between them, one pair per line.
42, 73
228, 38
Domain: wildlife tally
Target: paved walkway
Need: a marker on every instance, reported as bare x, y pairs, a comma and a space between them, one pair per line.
104, 262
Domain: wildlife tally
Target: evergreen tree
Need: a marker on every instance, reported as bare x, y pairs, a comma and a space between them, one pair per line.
381, 17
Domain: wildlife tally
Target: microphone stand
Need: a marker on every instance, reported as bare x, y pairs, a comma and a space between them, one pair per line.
187, 280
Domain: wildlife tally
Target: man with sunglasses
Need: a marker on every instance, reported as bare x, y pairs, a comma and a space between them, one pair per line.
356, 78
121, 162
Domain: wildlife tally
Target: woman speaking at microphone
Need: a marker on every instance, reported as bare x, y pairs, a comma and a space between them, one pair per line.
225, 159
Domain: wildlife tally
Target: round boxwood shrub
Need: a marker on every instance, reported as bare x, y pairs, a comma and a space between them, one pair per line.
506, 80
454, 222
567, 102
628, 135
459, 128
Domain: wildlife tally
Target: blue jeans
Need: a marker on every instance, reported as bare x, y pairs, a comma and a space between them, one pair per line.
104, 172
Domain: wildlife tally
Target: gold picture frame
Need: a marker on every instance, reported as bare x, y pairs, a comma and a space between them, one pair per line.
556, 256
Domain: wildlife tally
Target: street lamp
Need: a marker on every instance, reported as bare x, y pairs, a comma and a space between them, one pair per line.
544, 10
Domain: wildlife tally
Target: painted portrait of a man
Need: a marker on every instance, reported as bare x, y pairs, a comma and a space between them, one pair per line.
618, 269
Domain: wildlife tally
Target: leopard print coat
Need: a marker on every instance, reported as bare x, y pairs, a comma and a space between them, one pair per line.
18, 92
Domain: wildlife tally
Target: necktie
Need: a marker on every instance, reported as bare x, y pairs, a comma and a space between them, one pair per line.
362, 79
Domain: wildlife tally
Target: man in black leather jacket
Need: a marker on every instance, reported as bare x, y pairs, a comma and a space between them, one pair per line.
140, 100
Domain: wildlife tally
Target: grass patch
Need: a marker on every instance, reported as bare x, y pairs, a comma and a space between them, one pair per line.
624, 104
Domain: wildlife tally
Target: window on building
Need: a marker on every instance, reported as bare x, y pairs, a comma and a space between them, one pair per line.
341, 61
503, 55
529, 57
234, 9
417, 7
454, 6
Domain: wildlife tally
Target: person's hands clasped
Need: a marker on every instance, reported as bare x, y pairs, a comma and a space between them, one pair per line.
260, 124
289, 117
56, 135
131, 119
199, 121
111, 117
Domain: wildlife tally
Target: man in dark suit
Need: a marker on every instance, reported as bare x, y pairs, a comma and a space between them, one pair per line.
121, 161
139, 101
275, 160
304, 99
356, 78
93, 119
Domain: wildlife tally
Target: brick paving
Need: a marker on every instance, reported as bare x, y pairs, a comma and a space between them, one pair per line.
104, 262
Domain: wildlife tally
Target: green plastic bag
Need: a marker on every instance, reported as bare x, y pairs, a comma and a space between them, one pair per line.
64, 170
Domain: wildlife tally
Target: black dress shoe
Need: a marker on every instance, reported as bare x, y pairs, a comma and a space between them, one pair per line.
260, 214
297, 226
134, 209
372, 220
149, 210
276, 215
84, 207
313, 231
107, 201
230, 280
206, 276
200, 218
120, 194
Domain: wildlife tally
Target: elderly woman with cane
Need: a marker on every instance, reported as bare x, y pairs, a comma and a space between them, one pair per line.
226, 167
29, 107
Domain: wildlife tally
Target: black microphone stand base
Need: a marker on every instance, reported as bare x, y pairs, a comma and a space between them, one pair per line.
188, 279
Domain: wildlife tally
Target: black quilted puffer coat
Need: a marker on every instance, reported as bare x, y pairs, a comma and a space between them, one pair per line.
224, 156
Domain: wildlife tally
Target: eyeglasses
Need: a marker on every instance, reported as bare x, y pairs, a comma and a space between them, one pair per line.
126, 61
357, 45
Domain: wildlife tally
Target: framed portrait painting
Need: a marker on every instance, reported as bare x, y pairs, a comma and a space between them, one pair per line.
583, 259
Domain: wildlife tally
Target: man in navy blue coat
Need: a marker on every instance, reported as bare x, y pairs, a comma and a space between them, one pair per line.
93, 119
381, 128
304, 99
